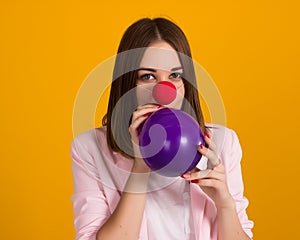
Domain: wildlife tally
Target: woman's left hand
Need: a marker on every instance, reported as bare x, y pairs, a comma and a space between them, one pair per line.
212, 181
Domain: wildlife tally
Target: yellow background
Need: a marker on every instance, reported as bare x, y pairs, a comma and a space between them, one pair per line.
250, 48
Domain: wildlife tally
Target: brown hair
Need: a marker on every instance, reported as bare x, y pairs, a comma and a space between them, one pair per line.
138, 36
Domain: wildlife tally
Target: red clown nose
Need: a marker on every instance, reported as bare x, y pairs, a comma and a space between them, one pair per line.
164, 92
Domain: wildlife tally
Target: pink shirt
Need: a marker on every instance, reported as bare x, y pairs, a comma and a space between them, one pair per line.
100, 176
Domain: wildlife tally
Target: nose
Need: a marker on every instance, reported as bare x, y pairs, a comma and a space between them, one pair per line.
164, 92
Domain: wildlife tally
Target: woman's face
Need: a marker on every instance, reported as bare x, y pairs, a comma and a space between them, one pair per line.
160, 62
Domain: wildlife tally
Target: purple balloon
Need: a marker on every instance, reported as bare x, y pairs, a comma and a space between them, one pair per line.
168, 142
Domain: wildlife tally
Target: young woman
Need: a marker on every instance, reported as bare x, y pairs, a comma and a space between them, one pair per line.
116, 195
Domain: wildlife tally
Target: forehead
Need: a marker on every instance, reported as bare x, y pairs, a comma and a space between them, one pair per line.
160, 58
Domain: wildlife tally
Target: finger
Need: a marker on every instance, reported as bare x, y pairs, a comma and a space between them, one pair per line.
212, 183
148, 106
211, 155
198, 174
193, 170
140, 115
137, 121
219, 168
206, 174
147, 111
210, 143
141, 110
133, 128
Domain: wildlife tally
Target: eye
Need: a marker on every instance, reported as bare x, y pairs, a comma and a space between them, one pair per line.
147, 76
176, 75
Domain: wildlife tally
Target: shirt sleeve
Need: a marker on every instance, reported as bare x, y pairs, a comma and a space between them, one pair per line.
89, 202
235, 182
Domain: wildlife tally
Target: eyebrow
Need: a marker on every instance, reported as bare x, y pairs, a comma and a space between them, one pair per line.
154, 70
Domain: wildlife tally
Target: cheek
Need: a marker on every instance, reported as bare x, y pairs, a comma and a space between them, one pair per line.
181, 91
144, 94
179, 99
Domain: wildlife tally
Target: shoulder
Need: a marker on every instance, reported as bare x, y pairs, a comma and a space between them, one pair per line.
90, 137
90, 143
93, 142
88, 148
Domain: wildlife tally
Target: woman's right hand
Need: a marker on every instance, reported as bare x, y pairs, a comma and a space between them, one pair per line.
138, 117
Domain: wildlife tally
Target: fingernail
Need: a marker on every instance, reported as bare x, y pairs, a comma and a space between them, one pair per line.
146, 114
185, 175
159, 106
201, 146
207, 134
195, 181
